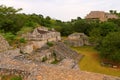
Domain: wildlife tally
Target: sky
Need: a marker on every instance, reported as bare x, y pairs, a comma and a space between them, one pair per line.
64, 10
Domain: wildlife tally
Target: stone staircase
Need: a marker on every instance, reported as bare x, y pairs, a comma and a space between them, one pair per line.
63, 50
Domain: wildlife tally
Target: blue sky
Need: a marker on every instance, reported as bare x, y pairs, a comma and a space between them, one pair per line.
63, 9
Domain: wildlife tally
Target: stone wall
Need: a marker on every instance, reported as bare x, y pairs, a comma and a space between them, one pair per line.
40, 34
77, 39
101, 15
23, 74
3, 44
38, 38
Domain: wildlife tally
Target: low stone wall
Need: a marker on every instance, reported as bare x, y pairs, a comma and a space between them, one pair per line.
23, 74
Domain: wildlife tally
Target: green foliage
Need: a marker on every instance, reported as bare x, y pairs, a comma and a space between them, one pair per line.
95, 36
44, 59
110, 47
55, 58
22, 40
81, 26
55, 62
11, 77
107, 27
50, 44
4, 10
10, 37
24, 30
16, 78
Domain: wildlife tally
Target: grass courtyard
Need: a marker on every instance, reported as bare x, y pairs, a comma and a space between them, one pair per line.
91, 62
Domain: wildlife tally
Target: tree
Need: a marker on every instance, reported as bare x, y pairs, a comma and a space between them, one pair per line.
8, 18
107, 27
81, 26
95, 37
110, 47
4, 10
111, 11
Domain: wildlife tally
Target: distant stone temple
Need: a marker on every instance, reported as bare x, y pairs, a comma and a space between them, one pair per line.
101, 15
3, 44
77, 39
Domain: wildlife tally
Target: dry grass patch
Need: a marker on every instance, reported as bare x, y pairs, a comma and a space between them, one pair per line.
91, 62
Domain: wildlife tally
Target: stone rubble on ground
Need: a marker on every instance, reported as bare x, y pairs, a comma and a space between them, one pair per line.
42, 71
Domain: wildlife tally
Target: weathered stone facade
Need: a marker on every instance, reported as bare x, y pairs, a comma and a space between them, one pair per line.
101, 15
39, 37
77, 39
43, 34
3, 44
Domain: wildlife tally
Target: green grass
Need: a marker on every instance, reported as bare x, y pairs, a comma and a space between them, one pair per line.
10, 77
91, 62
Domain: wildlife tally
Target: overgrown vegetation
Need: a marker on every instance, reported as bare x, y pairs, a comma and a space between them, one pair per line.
50, 44
44, 59
13, 24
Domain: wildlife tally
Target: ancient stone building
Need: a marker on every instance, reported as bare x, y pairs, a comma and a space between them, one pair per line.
101, 15
39, 37
3, 44
77, 39
42, 34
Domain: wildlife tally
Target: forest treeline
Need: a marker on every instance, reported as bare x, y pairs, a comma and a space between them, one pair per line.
105, 36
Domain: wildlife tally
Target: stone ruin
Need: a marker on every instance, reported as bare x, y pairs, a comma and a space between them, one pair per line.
77, 39
100, 15
43, 34
3, 44
31, 70
12, 62
38, 50
39, 37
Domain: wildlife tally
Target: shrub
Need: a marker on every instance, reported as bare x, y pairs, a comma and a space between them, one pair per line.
44, 59
22, 40
50, 44
16, 78
11, 77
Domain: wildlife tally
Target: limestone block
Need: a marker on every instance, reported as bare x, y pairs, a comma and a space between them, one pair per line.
27, 49
38, 44
3, 44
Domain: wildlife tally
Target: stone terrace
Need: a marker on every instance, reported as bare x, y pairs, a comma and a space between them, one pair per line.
40, 71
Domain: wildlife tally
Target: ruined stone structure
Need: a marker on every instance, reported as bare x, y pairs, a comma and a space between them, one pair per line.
101, 15
58, 52
39, 37
30, 70
43, 34
77, 39
3, 44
